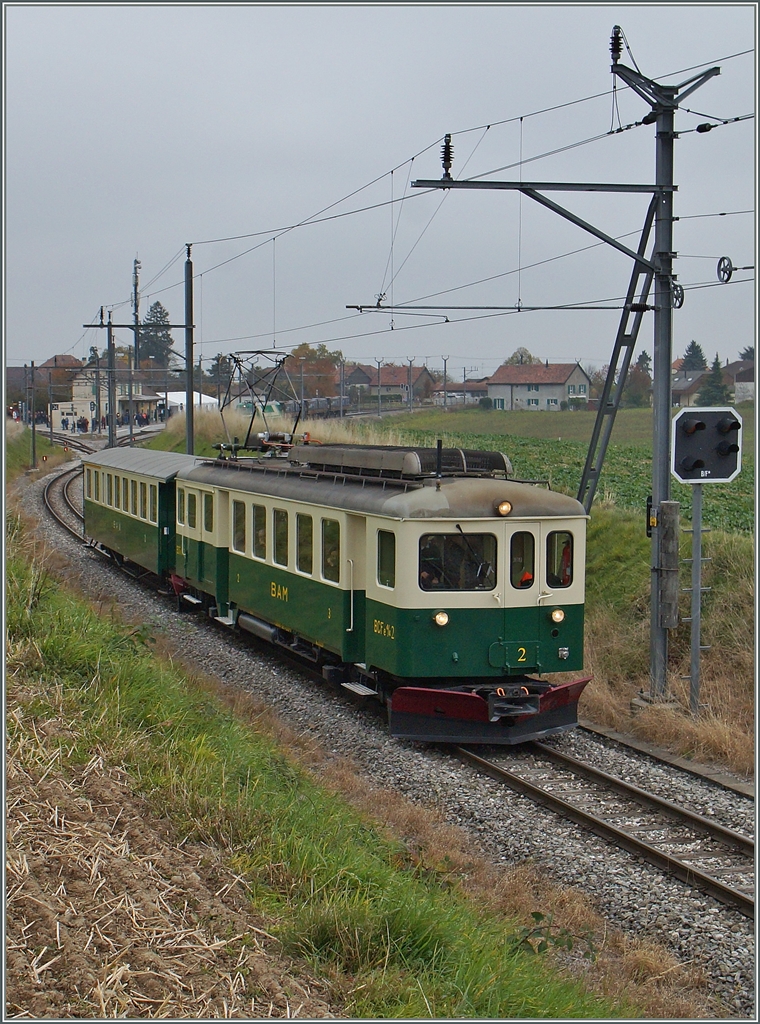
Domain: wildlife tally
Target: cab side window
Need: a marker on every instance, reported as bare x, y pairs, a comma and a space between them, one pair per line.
180, 505
208, 513
522, 560
238, 525
331, 550
559, 559
386, 558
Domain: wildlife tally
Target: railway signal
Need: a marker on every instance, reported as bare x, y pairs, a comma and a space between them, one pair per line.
706, 446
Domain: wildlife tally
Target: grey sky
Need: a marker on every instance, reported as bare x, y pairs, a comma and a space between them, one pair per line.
131, 130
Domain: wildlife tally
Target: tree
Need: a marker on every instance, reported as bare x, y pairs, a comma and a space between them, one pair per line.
713, 391
522, 357
694, 357
319, 366
644, 362
155, 336
637, 388
598, 379
220, 369
748, 353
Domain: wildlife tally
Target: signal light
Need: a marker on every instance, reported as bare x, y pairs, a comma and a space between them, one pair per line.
706, 446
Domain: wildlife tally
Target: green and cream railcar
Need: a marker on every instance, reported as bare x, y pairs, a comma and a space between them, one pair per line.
338, 558
129, 504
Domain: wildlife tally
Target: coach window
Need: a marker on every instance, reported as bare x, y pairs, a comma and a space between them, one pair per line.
133, 496
143, 500
522, 560
259, 531
304, 542
97, 484
208, 513
559, 559
153, 492
180, 505
89, 483
238, 526
109, 489
386, 558
117, 491
125, 493
280, 517
331, 550
192, 514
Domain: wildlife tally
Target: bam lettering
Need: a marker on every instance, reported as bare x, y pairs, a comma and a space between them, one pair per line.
278, 592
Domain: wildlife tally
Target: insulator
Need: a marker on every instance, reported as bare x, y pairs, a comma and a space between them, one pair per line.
702, 128
447, 155
616, 43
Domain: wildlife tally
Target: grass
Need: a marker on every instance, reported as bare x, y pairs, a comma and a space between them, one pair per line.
345, 896
18, 451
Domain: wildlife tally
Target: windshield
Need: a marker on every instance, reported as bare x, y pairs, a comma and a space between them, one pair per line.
463, 561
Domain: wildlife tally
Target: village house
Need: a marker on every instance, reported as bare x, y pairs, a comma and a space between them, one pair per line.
394, 381
538, 386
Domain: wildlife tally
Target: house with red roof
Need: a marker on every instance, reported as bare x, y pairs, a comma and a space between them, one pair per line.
538, 386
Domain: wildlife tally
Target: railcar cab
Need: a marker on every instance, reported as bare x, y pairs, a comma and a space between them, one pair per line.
474, 597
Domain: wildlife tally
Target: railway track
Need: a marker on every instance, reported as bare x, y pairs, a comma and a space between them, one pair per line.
59, 503
693, 848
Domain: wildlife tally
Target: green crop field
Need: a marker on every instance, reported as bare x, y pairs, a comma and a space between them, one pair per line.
626, 478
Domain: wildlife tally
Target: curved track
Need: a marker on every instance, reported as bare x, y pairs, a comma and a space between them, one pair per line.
59, 504
698, 851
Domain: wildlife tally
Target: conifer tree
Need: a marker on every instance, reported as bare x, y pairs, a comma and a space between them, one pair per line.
694, 357
713, 391
748, 353
155, 336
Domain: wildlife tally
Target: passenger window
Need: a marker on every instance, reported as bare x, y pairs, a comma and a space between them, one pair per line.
464, 561
259, 531
331, 550
125, 493
97, 485
133, 495
180, 505
238, 526
522, 560
559, 559
153, 502
305, 542
281, 536
192, 504
143, 500
208, 513
89, 483
386, 558
117, 491
109, 488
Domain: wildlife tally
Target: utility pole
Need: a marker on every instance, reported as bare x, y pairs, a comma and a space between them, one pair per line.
98, 410
131, 408
111, 384
664, 100
445, 383
410, 361
34, 424
189, 432
136, 309
50, 404
342, 384
379, 403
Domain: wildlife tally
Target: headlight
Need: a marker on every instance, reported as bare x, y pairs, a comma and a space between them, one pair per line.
441, 618
504, 508
558, 615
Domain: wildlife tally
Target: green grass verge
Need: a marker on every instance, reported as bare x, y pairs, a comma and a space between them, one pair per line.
345, 897
18, 453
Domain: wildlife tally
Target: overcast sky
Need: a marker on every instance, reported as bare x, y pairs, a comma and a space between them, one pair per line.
131, 130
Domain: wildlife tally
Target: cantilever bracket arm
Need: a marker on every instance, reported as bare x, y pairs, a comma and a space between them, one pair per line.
529, 189
661, 95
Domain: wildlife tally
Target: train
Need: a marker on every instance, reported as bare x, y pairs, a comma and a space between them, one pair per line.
427, 579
